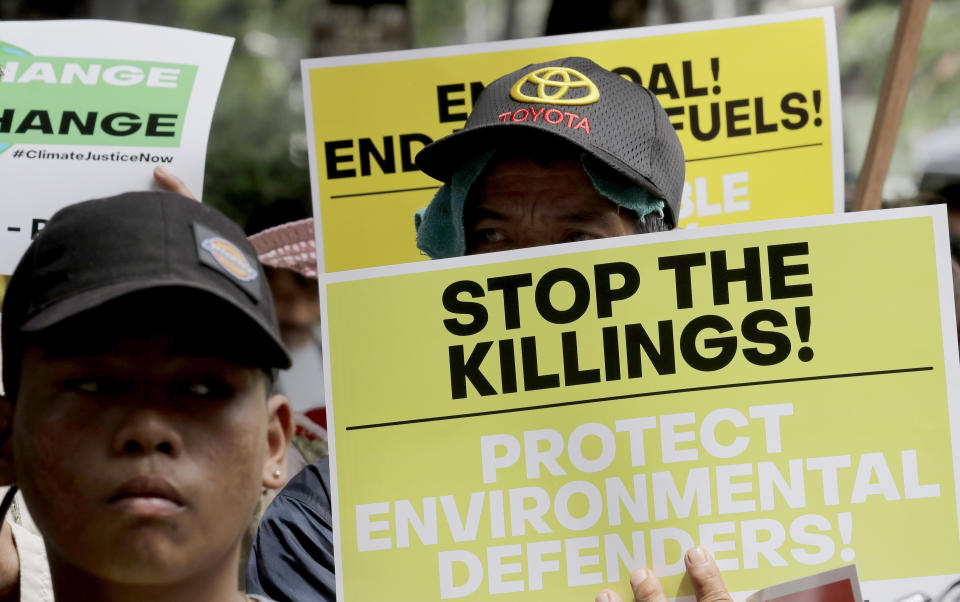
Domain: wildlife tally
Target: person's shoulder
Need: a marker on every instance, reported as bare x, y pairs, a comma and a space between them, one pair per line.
292, 555
311, 486
256, 598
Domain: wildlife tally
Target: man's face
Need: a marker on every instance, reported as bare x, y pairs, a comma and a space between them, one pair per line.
524, 203
140, 460
297, 304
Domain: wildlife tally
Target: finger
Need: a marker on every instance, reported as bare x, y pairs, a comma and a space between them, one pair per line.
607, 596
705, 576
646, 587
168, 181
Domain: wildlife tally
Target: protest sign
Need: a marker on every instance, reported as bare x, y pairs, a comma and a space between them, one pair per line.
755, 101
535, 424
89, 108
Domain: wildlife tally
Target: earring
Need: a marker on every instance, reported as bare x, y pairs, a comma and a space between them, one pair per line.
276, 473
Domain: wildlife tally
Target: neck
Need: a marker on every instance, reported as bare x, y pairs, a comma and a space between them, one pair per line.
217, 583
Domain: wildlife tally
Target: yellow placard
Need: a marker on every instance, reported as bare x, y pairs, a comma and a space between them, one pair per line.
534, 425
755, 101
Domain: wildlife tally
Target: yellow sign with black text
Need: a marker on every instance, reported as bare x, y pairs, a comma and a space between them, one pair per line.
542, 422
755, 101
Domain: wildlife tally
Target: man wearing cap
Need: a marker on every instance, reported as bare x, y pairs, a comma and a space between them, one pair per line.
139, 348
555, 152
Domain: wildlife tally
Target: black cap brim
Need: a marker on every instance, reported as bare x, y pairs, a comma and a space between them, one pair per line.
267, 345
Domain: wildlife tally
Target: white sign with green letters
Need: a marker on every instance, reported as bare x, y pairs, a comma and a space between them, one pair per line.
89, 108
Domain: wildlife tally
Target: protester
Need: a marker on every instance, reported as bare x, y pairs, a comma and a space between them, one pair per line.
139, 349
289, 255
515, 176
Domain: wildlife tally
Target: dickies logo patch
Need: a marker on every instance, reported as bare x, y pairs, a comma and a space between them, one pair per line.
556, 86
230, 258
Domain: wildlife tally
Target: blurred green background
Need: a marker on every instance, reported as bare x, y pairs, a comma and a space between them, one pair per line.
257, 153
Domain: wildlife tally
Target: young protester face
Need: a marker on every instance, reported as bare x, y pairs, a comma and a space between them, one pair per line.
139, 344
140, 445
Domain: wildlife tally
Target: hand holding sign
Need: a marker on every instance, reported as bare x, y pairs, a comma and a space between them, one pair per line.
168, 181
703, 572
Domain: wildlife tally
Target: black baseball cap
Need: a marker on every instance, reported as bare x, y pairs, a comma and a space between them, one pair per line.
615, 120
98, 251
